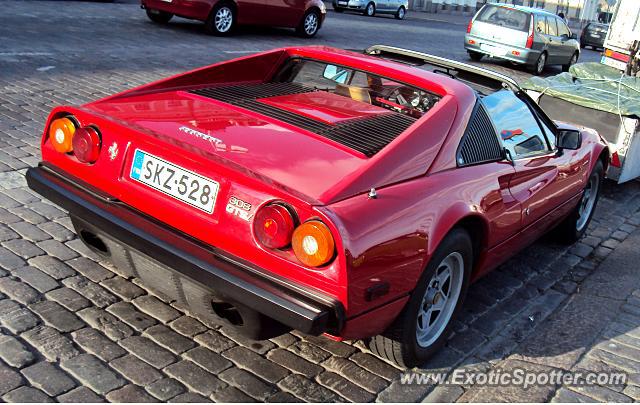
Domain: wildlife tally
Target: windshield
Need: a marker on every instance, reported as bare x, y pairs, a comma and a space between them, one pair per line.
505, 17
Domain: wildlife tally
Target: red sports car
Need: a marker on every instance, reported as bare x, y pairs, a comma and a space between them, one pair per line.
338, 193
222, 16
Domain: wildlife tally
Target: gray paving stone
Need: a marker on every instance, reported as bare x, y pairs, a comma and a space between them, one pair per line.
36, 278
18, 291
444, 393
258, 346
356, 374
375, 365
600, 393
148, 351
93, 373
136, 370
258, 365
16, 318
310, 352
307, 390
195, 377
52, 266
127, 313
169, 339
231, 395
123, 288
189, 397
564, 395
188, 326
214, 341
68, 298
621, 362
50, 343
46, 377
165, 389
284, 340
57, 231
9, 379
97, 344
156, 308
57, 316
28, 215
336, 348
632, 392
23, 248
14, 353
7, 234
57, 249
26, 395
294, 363
344, 387
207, 359
247, 383
282, 397
90, 290
80, 395
29, 231
90, 269
129, 394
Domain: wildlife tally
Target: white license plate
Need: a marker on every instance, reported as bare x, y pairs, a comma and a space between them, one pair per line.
594, 35
493, 50
175, 181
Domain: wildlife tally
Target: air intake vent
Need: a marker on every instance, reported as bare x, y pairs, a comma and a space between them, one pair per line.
365, 135
480, 142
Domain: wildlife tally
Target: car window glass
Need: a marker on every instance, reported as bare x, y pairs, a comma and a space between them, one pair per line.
562, 29
504, 17
541, 26
516, 124
552, 28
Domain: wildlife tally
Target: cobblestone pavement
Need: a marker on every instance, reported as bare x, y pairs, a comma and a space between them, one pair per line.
72, 329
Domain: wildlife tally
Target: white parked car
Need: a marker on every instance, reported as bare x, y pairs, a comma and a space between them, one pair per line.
370, 7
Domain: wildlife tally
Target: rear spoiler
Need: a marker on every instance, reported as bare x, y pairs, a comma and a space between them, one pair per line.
464, 71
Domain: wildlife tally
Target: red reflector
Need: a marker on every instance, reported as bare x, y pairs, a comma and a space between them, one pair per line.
86, 144
471, 41
516, 53
469, 26
273, 226
615, 160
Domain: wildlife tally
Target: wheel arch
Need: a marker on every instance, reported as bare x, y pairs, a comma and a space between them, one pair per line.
313, 8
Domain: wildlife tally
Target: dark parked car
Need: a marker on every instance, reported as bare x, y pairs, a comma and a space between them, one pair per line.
593, 35
222, 16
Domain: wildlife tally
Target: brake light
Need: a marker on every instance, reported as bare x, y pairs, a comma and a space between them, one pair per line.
86, 144
61, 133
313, 243
273, 226
529, 44
615, 160
469, 26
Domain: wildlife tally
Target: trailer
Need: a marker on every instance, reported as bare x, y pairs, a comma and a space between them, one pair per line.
624, 29
599, 97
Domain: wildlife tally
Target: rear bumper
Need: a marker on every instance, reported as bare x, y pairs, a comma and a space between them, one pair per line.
526, 56
188, 260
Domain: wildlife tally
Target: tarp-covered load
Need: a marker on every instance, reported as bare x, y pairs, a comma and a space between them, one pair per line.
592, 85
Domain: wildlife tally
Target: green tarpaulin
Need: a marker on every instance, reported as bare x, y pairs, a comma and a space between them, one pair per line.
592, 85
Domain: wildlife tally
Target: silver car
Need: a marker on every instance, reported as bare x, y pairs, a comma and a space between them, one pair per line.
523, 35
370, 7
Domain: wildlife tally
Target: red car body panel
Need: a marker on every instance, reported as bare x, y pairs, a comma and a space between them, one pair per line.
421, 193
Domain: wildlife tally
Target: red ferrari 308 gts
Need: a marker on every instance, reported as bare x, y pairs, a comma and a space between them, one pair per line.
337, 193
222, 16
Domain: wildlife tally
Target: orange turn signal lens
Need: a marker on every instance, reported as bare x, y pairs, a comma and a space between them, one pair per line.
61, 134
313, 243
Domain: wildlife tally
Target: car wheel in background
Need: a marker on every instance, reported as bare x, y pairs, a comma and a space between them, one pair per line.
424, 325
222, 19
476, 56
572, 61
370, 10
310, 24
401, 13
538, 67
576, 224
158, 16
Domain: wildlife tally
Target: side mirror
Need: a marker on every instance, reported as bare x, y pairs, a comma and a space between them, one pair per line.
569, 139
573, 35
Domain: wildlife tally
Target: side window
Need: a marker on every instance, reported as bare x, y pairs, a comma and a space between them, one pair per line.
541, 26
552, 28
516, 124
480, 143
563, 29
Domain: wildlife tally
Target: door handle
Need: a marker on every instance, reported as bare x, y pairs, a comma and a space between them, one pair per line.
534, 189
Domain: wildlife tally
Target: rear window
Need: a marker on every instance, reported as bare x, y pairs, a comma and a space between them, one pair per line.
505, 17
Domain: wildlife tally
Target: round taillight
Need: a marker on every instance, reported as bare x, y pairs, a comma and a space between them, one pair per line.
313, 243
273, 226
86, 144
61, 133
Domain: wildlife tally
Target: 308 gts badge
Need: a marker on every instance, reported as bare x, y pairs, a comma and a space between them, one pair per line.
239, 208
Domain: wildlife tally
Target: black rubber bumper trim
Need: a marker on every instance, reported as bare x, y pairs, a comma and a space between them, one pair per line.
293, 305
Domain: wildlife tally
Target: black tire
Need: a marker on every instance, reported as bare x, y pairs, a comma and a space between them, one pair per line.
540, 64
307, 28
399, 343
475, 56
572, 61
401, 13
370, 9
571, 229
158, 16
218, 21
